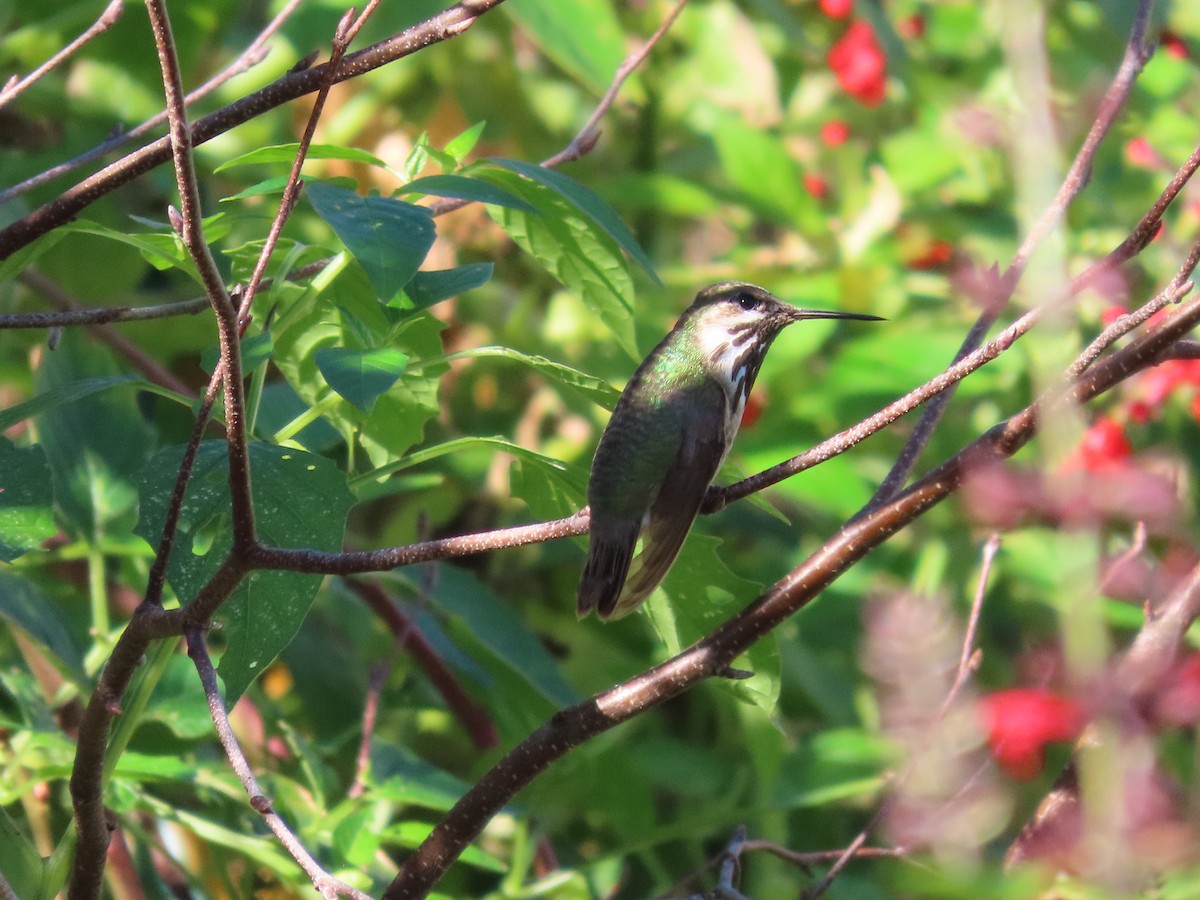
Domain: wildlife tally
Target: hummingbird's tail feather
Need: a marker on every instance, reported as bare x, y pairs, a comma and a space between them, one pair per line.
610, 550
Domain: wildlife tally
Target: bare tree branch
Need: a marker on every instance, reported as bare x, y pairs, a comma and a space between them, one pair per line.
13, 89
255, 53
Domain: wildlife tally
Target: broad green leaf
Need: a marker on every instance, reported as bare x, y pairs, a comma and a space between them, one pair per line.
24, 606
463, 187
360, 376
758, 165
428, 288
399, 775
286, 153
494, 625
577, 251
26, 498
256, 349
301, 501
92, 448
454, 446
698, 594
587, 202
584, 37
388, 237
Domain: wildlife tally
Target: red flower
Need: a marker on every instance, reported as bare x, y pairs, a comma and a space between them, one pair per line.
1021, 721
835, 133
1173, 44
859, 64
935, 256
837, 9
753, 410
816, 185
1111, 314
912, 28
1139, 152
1104, 446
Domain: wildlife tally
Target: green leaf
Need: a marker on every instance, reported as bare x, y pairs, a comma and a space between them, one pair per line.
26, 255
428, 288
388, 237
587, 203
286, 153
584, 37
360, 376
26, 499
24, 606
463, 187
256, 349
301, 500
459, 146
571, 246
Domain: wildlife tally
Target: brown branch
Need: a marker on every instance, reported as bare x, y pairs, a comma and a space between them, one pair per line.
138, 358
108, 18
255, 53
75, 313
326, 884
713, 654
1137, 53
443, 26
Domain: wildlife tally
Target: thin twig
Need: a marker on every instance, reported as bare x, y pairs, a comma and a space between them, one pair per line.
108, 18
139, 358
255, 53
326, 884
1137, 52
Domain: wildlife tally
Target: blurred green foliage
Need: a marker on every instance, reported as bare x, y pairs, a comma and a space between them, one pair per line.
389, 405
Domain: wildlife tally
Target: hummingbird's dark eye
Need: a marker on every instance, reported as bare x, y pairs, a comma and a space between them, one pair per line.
746, 301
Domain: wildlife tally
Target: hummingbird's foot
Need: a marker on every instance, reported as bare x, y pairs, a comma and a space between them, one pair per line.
735, 674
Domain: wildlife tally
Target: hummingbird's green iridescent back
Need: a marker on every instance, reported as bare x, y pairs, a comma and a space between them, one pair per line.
669, 434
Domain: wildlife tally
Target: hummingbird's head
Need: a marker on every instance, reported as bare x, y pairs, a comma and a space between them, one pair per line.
735, 320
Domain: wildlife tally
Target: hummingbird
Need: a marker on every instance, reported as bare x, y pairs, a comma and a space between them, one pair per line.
670, 432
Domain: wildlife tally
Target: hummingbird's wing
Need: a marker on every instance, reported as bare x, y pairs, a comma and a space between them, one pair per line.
701, 451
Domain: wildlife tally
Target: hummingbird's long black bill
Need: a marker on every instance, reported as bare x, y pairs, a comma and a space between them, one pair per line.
797, 315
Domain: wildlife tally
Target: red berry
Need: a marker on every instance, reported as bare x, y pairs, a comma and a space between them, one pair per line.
835, 133
837, 9
1021, 721
859, 64
815, 185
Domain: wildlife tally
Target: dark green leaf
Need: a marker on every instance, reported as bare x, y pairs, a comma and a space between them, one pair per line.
428, 288
360, 376
389, 238
26, 498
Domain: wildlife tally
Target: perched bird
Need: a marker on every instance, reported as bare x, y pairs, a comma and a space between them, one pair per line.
668, 436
